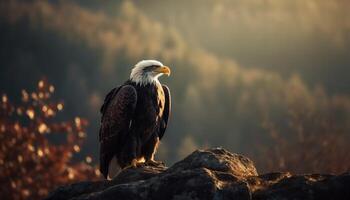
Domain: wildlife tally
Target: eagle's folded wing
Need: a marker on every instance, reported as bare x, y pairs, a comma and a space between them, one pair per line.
166, 112
117, 111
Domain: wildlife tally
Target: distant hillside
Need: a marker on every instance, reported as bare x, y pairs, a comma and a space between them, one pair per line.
216, 101
311, 38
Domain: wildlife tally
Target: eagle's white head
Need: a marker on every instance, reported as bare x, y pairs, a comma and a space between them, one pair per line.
148, 71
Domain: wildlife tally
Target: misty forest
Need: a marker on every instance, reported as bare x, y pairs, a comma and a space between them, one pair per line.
266, 79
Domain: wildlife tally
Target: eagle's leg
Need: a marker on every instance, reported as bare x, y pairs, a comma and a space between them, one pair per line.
150, 150
135, 163
128, 155
132, 152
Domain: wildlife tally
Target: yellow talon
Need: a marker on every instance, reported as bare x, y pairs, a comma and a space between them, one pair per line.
133, 163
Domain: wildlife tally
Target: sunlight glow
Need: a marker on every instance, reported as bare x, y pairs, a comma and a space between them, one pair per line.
42, 128
30, 113
4, 98
59, 106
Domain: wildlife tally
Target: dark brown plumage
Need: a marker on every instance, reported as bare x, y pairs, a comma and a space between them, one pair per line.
134, 119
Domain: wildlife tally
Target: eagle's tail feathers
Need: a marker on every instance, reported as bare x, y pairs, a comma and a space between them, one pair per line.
114, 168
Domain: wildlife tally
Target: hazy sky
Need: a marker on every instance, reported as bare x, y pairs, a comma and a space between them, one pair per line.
311, 38
232, 61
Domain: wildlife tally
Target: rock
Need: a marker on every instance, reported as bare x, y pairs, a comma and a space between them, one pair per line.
208, 174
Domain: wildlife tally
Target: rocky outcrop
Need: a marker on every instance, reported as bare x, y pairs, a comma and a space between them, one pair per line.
208, 174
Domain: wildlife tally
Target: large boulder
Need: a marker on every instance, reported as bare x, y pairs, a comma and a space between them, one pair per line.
208, 174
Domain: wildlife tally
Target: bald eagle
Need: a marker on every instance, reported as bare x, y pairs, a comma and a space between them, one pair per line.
134, 118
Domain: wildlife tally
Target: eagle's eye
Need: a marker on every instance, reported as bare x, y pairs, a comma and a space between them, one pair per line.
150, 68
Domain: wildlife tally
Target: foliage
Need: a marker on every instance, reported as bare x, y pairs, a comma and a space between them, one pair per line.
216, 101
30, 163
311, 138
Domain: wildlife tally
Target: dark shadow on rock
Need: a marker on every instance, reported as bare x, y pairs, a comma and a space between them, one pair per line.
208, 174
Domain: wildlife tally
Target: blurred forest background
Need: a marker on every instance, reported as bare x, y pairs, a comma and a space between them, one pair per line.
268, 79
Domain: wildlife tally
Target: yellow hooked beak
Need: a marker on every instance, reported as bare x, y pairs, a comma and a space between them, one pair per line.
164, 70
